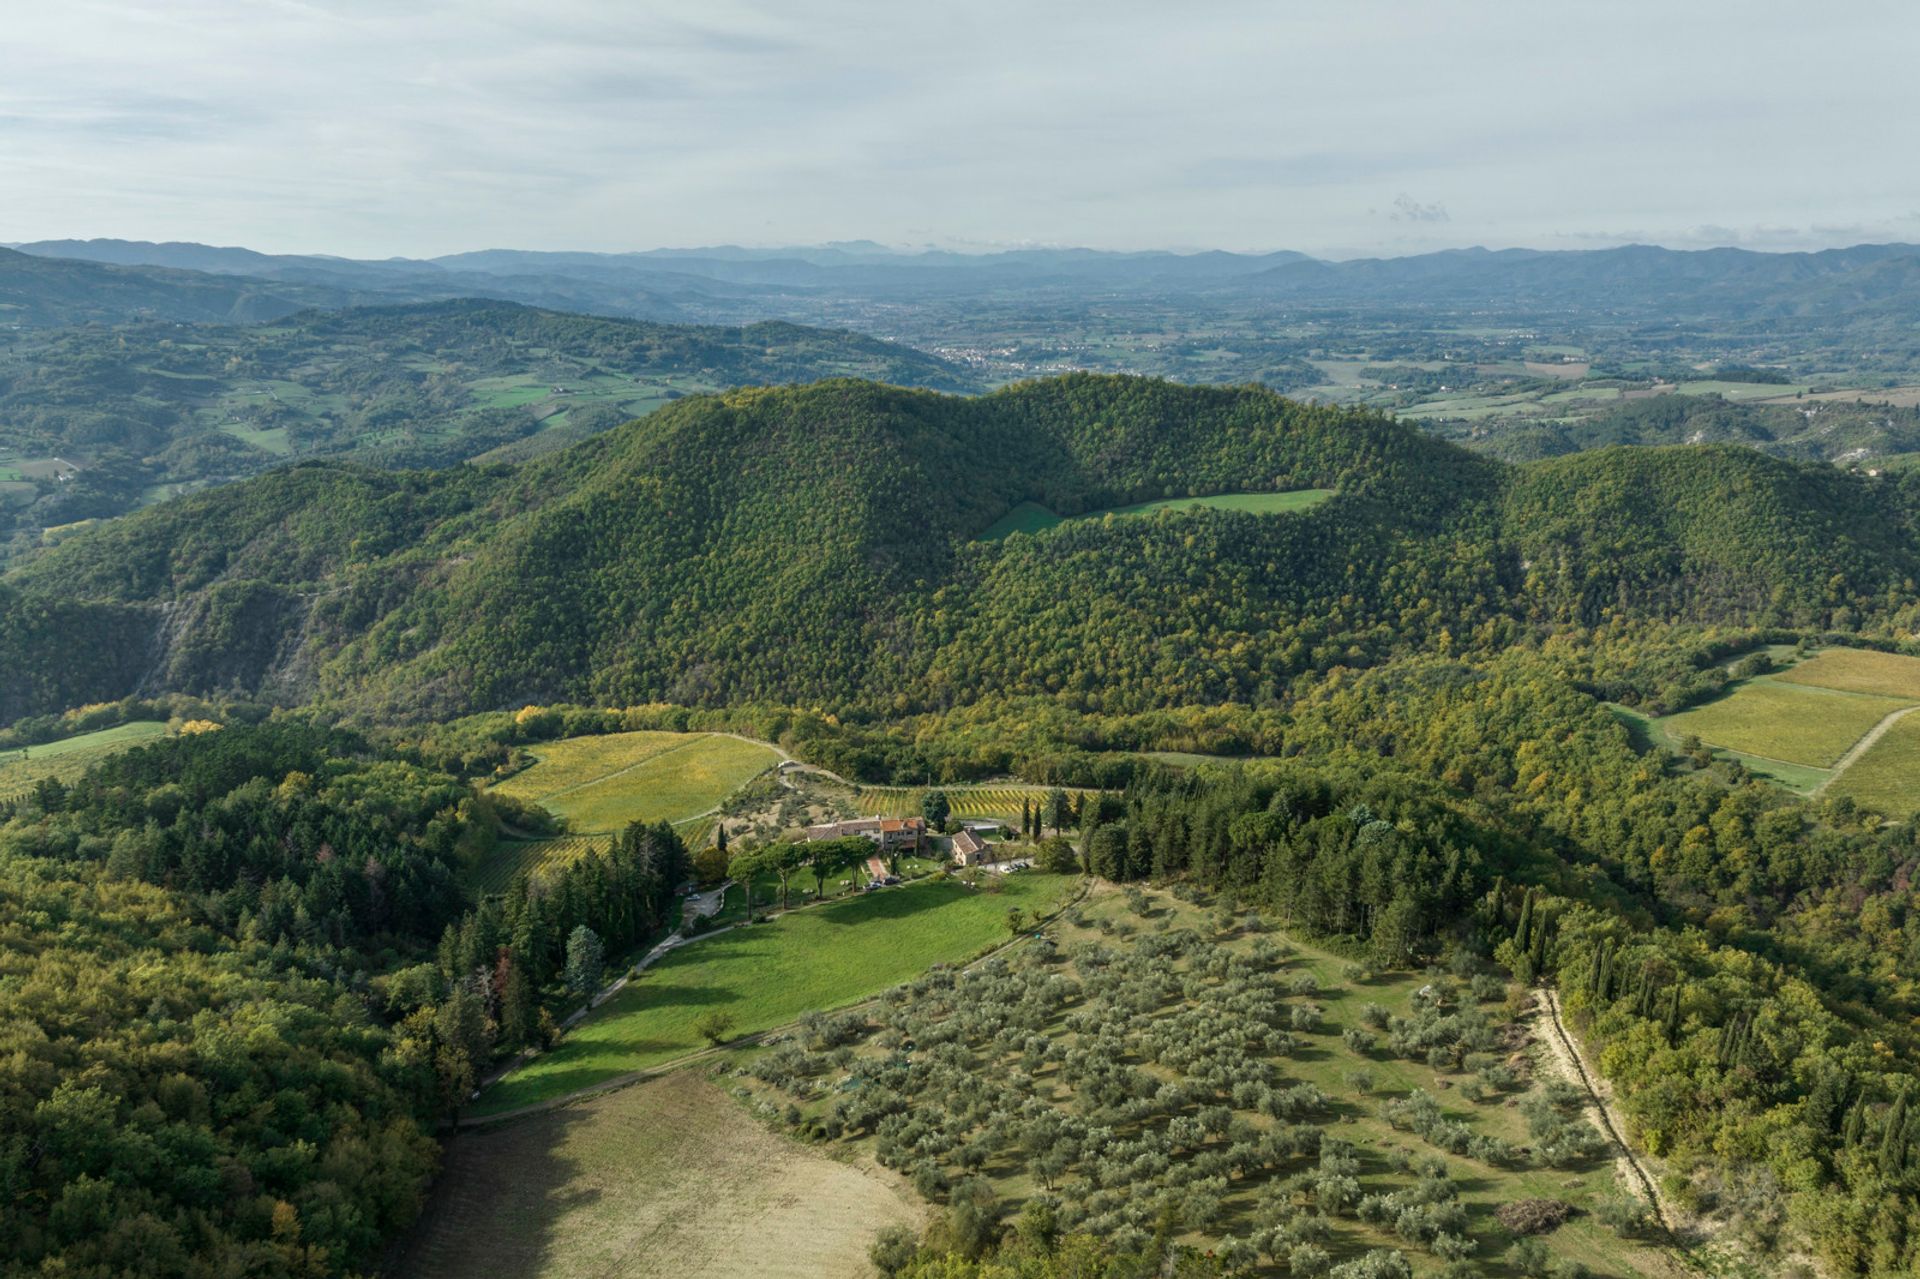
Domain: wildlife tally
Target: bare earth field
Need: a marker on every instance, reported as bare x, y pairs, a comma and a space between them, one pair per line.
667, 1178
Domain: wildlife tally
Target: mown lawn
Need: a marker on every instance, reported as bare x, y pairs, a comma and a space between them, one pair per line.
765, 975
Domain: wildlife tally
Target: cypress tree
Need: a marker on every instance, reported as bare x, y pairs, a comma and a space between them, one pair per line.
1522, 932
1892, 1155
1856, 1124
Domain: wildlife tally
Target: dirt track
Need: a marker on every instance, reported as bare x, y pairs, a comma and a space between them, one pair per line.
1571, 1063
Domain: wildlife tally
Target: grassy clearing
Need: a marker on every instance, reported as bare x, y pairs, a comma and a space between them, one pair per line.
1859, 670
599, 784
1887, 777
21, 770
1031, 517
669, 1177
270, 439
1794, 723
768, 974
1357, 1083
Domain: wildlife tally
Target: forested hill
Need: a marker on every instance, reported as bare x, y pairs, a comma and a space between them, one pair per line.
819, 545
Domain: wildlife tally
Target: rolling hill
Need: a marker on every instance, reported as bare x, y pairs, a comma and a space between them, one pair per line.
136, 412
818, 545
45, 291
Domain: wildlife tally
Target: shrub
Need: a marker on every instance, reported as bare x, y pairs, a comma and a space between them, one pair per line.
1529, 1257
713, 1025
893, 1250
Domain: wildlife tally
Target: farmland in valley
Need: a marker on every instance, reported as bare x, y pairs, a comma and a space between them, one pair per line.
515, 856
1795, 723
1887, 776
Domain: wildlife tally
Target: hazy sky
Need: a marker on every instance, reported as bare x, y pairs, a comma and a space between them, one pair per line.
377, 127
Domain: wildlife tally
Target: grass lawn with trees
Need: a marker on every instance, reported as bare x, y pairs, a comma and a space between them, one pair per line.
764, 975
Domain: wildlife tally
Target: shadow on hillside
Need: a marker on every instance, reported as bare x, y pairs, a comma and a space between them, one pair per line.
495, 1209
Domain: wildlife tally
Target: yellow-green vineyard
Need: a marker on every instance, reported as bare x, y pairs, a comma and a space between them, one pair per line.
966, 801
511, 858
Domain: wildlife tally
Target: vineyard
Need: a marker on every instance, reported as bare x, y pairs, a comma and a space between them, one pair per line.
967, 801
513, 857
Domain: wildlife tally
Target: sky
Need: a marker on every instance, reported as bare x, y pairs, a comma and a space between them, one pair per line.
375, 128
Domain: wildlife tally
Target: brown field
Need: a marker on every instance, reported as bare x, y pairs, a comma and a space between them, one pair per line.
1859, 670
667, 1178
1553, 368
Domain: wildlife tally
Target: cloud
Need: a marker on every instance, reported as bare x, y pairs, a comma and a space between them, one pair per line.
1408, 209
375, 127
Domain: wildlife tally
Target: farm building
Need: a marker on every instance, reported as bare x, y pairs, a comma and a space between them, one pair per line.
893, 834
970, 849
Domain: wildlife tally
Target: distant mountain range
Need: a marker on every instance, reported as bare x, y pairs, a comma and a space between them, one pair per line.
103, 279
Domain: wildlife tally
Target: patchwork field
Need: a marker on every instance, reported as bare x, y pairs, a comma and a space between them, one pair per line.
768, 974
667, 1178
1031, 517
601, 783
21, 770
